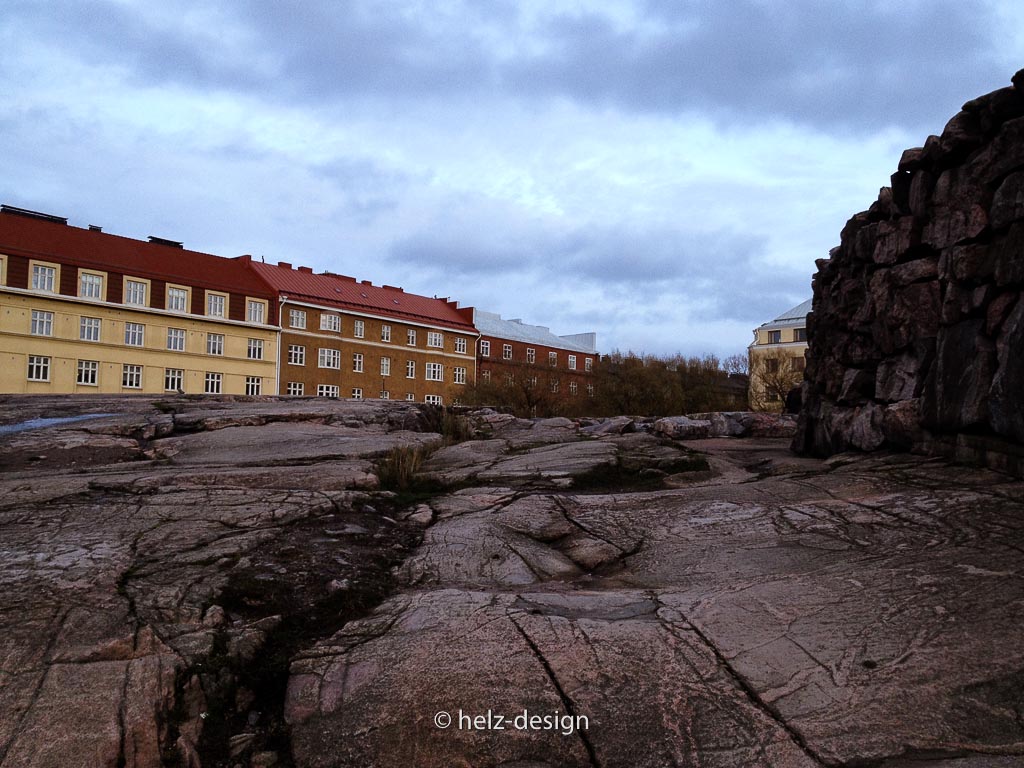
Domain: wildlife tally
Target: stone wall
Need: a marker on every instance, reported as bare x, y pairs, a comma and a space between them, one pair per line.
917, 329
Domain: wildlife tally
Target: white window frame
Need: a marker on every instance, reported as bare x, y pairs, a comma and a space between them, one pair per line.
90, 328
176, 339
531, 355
553, 359
459, 375
460, 345
574, 388
253, 385
213, 383
410, 369
330, 322
329, 358
215, 344
435, 339
136, 292
410, 337
506, 351
90, 285
39, 367
297, 318
131, 376
42, 323
44, 277
254, 349
216, 304
357, 393
178, 299
357, 362
485, 348
296, 389
135, 334
296, 354
358, 328
588, 364
433, 399
385, 395
434, 372
410, 396
255, 311
385, 333
87, 373
328, 390
385, 366
572, 362
174, 379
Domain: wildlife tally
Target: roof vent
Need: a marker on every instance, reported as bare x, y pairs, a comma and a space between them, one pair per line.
164, 241
363, 295
306, 269
94, 228
367, 282
284, 265
33, 214
395, 301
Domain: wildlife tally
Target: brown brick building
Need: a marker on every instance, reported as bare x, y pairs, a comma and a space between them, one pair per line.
345, 338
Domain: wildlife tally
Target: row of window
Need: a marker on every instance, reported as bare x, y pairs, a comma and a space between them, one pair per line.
331, 358
332, 322
554, 385
531, 356
45, 277
135, 335
799, 334
131, 376
297, 388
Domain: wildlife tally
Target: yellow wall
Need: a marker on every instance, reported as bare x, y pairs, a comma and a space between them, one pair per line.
66, 349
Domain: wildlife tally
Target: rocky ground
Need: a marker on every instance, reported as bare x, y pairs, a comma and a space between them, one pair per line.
216, 582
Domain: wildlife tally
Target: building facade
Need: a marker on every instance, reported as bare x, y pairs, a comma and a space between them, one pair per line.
86, 311
776, 358
531, 367
345, 338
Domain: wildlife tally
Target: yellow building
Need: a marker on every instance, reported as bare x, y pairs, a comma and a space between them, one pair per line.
776, 358
85, 311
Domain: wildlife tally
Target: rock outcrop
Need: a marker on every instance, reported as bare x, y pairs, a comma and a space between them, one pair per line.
917, 330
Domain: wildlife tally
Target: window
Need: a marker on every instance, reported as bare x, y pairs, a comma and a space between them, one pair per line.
800, 334
214, 383
385, 395
506, 351
177, 299
330, 322
327, 390
590, 390
38, 368
554, 385
485, 349
552, 358
255, 311
90, 286
485, 375
588, 364
358, 329
385, 333
410, 396
572, 362
296, 388
357, 363
297, 318
131, 376
253, 385
42, 323
89, 329
433, 399
410, 337
531, 355
135, 292
176, 339
574, 388
296, 355
330, 358
771, 365
774, 337
797, 364
43, 278
134, 335
435, 339
174, 379
215, 343
216, 304
254, 350
460, 345
460, 376
357, 393
410, 369
435, 372
385, 366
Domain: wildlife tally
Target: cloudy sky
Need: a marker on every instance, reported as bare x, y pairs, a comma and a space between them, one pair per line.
662, 172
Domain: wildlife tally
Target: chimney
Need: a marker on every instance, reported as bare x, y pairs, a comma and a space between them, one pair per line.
308, 270
94, 228
284, 265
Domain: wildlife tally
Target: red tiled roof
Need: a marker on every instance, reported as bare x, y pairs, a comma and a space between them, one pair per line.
37, 238
348, 294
